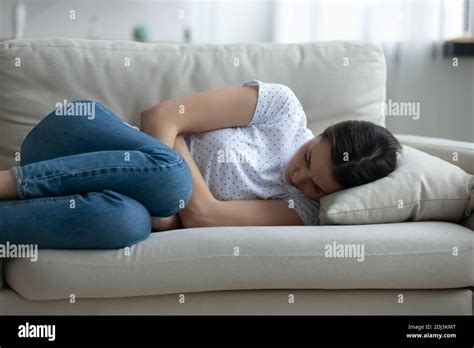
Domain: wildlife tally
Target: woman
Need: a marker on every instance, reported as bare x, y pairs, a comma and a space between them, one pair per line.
243, 156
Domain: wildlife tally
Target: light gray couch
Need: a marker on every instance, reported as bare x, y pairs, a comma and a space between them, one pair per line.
408, 266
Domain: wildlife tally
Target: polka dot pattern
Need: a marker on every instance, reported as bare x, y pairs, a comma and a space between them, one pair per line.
249, 162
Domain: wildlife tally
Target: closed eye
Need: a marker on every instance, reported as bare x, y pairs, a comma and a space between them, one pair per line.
308, 165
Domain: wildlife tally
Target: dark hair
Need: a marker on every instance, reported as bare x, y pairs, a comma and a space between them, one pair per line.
370, 151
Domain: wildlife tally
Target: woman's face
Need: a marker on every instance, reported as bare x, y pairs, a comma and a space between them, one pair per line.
310, 168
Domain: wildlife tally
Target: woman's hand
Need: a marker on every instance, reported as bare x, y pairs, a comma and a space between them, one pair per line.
166, 223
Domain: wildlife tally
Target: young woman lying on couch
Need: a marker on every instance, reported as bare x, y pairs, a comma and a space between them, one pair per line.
242, 156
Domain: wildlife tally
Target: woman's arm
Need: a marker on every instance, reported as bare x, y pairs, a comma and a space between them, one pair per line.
200, 112
204, 210
269, 212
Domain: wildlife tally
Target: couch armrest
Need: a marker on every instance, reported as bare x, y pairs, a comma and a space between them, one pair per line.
442, 148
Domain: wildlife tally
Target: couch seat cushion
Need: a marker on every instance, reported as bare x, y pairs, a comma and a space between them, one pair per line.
411, 255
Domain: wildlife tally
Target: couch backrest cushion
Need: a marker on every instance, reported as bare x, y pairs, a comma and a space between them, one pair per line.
334, 80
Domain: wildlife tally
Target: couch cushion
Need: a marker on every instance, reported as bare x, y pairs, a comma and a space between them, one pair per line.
129, 77
411, 255
422, 187
469, 221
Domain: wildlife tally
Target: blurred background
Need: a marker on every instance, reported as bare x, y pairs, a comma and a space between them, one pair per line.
428, 44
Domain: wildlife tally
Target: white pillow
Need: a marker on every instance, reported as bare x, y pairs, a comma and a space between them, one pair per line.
422, 187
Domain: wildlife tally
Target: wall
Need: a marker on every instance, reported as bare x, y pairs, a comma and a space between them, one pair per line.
445, 94
218, 22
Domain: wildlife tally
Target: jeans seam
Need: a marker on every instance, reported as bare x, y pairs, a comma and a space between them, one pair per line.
109, 167
19, 177
41, 199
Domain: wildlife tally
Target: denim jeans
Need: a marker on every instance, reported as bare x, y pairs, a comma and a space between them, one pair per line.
91, 181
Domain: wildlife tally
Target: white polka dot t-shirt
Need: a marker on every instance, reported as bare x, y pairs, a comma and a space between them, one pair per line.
248, 162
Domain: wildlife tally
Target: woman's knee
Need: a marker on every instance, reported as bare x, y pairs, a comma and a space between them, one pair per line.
177, 189
161, 154
32, 148
127, 222
42, 141
185, 184
170, 186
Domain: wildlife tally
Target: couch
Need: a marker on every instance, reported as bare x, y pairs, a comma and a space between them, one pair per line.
229, 270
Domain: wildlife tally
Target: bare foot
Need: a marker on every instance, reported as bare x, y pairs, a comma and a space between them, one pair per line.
8, 189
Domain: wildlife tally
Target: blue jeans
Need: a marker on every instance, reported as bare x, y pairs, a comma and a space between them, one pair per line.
90, 181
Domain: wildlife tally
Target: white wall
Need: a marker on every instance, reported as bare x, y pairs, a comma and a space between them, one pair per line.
209, 21
445, 94
242, 21
114, 19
